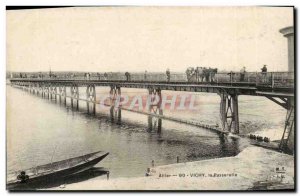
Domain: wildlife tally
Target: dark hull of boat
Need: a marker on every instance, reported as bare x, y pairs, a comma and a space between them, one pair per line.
55, 175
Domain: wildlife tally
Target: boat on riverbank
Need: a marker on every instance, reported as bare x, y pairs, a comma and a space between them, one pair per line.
54, 170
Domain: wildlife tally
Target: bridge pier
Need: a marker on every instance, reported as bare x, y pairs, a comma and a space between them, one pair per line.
37, 89
154, 107
47, 91
229, 112
74, 96
53, 92
30, 88
44, 91
50, 91
115, 100
91, 98
62, 93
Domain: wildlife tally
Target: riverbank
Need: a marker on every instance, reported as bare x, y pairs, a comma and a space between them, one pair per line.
253, 168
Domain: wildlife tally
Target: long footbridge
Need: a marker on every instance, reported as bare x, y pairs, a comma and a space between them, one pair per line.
275, 86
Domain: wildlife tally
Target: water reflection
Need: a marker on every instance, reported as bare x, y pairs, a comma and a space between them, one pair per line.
154, 124
115, 115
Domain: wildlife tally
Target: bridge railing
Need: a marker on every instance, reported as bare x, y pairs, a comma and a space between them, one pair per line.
274, 79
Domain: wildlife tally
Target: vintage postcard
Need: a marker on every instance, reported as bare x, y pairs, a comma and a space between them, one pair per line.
150, 98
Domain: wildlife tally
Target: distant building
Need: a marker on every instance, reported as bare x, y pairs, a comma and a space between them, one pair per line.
288, 32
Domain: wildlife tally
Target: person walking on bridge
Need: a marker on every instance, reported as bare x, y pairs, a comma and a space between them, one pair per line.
243, 73
105, 76
168, 75
264, 73
199, 74
87, 76
231, 75
127, 74
145, 75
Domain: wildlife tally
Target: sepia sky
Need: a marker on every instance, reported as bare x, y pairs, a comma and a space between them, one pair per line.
136, 39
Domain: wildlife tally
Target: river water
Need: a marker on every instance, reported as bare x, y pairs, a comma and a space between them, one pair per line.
40, 131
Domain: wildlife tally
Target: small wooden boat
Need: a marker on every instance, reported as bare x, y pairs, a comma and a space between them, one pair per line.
55, 169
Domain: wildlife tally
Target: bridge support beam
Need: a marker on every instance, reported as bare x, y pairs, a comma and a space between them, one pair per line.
229, 112
43, 91
91, 98
154, 107
287, 142
115, 101
75, 96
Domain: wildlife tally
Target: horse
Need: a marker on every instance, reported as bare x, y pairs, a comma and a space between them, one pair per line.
206, 74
